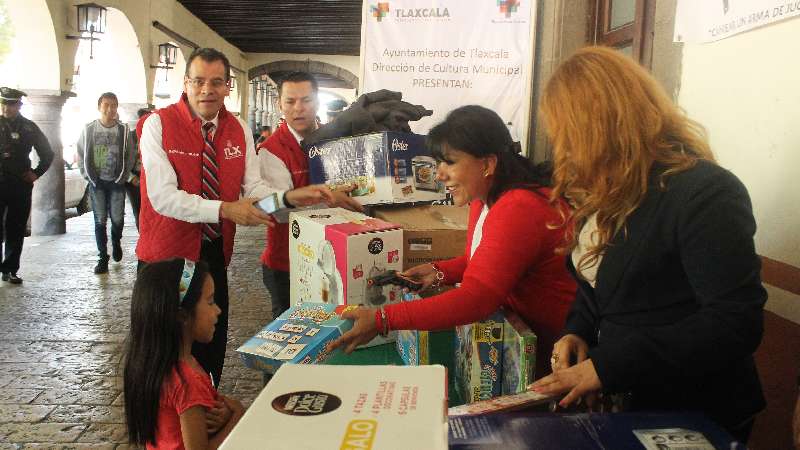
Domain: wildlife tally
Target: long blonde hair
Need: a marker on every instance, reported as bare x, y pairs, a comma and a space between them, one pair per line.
609, 121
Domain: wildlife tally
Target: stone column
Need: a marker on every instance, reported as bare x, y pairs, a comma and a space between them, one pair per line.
257, 112
267, 106
251, 107
127, 112
47, 211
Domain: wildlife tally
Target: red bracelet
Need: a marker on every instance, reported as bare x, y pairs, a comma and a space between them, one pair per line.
381, 322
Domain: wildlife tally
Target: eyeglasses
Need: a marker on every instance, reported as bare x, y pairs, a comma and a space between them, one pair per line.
198, 83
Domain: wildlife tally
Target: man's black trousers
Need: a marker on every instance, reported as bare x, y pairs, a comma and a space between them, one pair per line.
15, 207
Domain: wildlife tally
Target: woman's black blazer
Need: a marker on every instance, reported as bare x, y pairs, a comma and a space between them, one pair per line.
677, 308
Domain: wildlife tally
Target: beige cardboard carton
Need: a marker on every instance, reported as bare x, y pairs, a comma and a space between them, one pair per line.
430, 233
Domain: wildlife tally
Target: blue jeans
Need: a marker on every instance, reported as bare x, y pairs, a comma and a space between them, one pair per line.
108, 199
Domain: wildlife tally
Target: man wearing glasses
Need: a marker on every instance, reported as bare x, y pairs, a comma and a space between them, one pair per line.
197, 158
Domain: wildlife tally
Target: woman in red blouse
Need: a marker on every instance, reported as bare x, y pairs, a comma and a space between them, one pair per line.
510, 257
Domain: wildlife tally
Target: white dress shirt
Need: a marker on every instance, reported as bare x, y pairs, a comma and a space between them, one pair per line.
162, 182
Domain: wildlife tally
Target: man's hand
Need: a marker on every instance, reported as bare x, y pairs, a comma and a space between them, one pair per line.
310, 195
342, 200
243, 212
29, 176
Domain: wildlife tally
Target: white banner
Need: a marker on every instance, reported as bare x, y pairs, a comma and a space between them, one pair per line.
448, 53
711, 20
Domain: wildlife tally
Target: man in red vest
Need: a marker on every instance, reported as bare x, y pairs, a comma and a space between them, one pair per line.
198, 159
284, 165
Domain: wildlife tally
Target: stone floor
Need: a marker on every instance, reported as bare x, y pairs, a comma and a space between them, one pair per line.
61, 334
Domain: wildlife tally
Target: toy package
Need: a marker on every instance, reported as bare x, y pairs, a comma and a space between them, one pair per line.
479, 359
419, 347
300, 335
519, 354
347, 407
385, 167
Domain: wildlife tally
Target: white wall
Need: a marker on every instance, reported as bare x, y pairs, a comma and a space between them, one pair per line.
33, 61
746, 91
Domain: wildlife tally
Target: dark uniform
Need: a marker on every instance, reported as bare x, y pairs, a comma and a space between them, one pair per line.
17, 136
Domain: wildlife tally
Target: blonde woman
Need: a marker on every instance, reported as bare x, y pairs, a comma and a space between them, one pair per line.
669, 303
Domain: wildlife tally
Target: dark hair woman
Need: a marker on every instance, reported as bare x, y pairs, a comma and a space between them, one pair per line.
168, 396
510, 257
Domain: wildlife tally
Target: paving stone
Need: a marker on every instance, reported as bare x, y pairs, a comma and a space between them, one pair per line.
41, 432
23, 413
18, 396
50, 446
61, 339
91, 397
105, 432
87, 414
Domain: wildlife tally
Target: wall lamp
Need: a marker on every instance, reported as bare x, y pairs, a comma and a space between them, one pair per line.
167, 57
91, 19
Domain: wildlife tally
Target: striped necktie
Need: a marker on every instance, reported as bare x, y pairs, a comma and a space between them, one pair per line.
211, 187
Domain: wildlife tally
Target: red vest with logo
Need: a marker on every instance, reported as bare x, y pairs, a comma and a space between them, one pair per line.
162, 237
283, 145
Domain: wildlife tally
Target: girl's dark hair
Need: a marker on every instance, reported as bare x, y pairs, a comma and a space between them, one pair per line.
155, 340
481, 132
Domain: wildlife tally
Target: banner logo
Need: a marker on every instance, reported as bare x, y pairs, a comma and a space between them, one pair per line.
379, 11
508, 7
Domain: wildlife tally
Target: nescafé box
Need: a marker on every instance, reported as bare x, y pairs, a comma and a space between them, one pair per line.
479, 359
307, 407
300, 335
385, 167
519, 354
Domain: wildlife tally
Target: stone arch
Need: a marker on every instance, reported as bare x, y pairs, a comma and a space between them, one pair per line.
328, 75
112, 64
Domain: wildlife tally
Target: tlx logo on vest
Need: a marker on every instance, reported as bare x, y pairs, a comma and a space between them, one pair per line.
232, 151
399, 145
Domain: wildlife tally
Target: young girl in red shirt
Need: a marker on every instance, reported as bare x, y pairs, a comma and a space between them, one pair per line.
170, 402
510, 259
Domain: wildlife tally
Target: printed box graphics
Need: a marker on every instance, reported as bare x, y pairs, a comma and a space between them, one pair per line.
300, 335
385, 167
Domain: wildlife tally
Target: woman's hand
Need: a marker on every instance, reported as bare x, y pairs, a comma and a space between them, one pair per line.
423, 273
362, 332
565, 348
579, 380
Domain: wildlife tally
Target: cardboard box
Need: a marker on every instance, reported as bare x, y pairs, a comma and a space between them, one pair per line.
519, 354
479, 359
332, 254
347, 407
299, 336
430, 233
385, 167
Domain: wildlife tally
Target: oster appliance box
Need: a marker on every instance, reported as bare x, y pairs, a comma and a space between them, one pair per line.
347, 407
379, 168
301, 335
333, 253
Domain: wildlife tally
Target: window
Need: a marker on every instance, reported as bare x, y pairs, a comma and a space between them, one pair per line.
626, 25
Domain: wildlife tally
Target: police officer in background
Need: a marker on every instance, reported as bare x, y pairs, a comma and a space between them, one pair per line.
17, 136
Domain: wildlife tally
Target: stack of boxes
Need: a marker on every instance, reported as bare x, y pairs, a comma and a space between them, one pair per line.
334, 252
